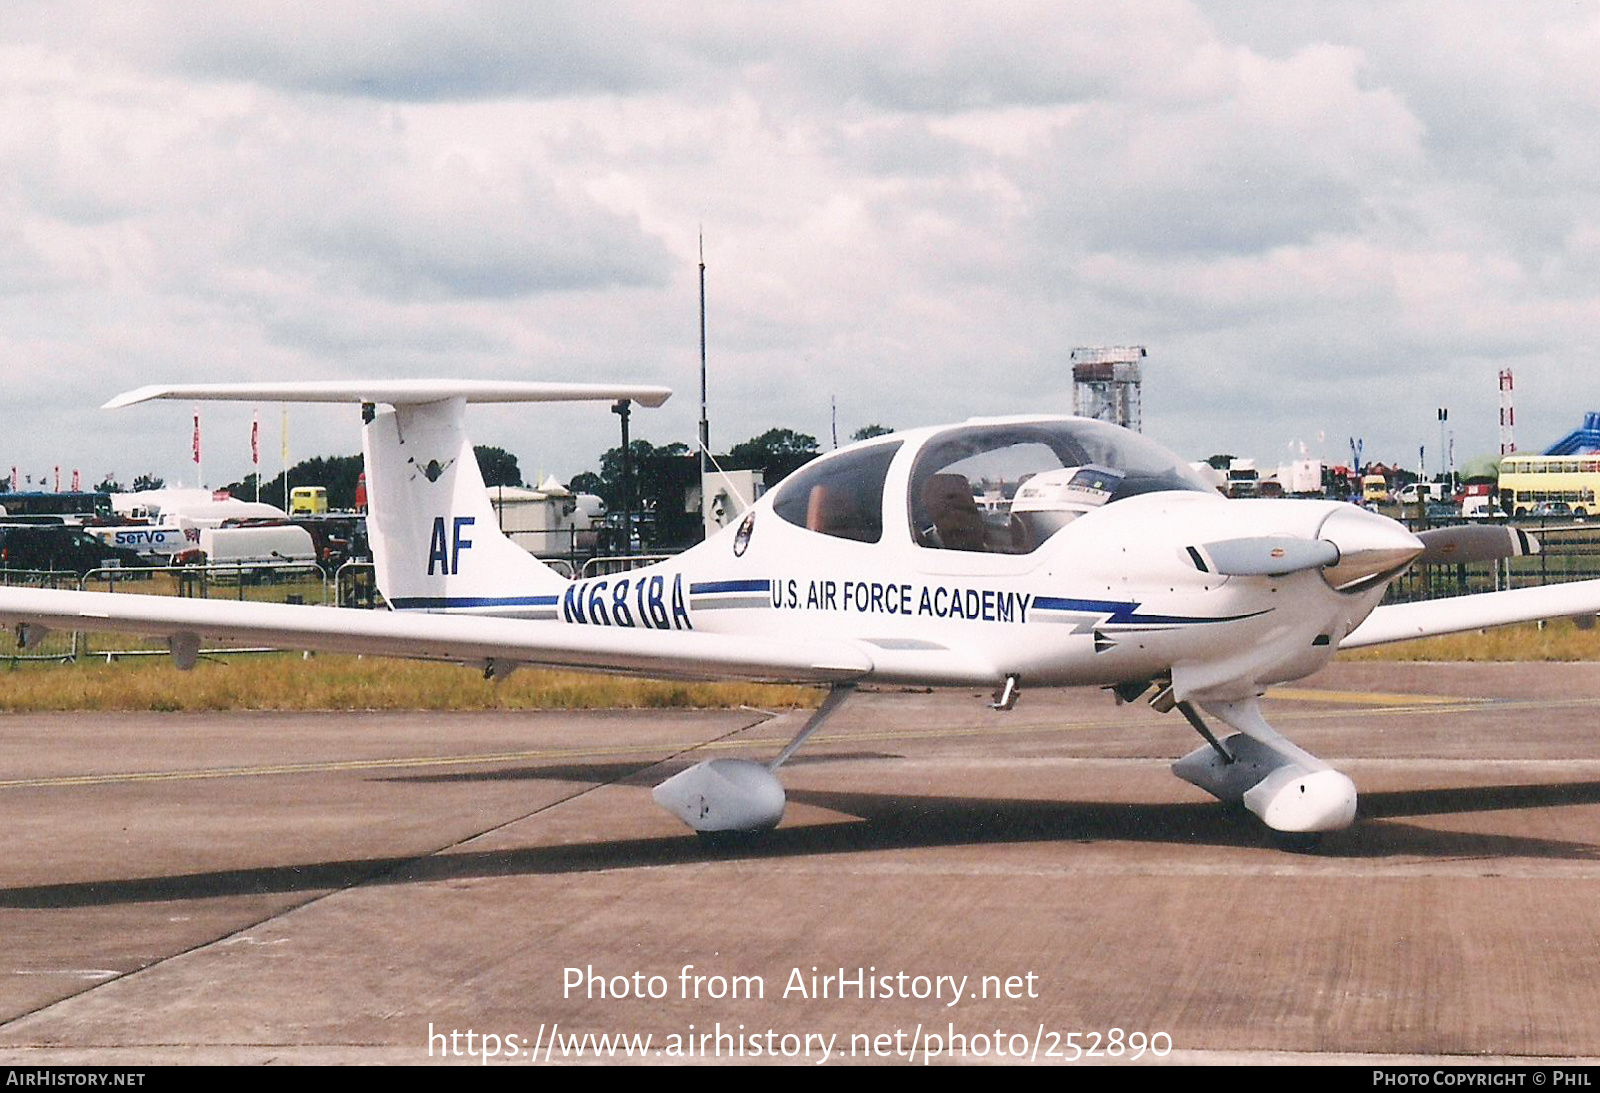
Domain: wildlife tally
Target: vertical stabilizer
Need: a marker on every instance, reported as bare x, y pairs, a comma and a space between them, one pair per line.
435, 540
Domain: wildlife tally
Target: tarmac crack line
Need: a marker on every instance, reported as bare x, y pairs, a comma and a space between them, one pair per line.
375, 875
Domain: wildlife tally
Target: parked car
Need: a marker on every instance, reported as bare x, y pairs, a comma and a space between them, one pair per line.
62, 548
1555, 510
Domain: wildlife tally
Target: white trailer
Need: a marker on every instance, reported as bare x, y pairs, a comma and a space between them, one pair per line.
550, 521
1301, 478
272, 543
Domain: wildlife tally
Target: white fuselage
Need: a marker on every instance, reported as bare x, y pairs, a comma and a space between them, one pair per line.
1109, 599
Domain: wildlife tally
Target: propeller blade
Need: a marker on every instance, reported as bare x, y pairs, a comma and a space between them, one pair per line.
1262, 556
1474, 543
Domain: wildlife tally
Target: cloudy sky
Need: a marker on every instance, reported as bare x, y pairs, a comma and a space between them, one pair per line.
1323, 220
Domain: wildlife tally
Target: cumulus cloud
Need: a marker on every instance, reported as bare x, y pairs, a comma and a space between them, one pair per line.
1319, 218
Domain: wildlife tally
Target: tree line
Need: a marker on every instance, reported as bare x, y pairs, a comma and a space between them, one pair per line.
661, 476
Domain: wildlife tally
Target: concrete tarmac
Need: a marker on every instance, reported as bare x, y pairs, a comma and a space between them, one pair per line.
252, 888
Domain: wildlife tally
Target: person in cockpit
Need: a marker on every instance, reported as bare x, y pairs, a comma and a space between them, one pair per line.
952, 520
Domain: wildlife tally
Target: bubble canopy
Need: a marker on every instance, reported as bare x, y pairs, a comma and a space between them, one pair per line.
1000, 486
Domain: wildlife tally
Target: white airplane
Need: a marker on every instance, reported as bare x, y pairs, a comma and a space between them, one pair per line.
1112, 565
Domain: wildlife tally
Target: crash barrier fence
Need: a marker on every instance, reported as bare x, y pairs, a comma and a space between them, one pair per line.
267, 582
1570, 553
619, 563
560, 548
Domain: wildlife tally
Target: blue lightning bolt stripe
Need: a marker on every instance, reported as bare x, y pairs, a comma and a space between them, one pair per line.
1118, 611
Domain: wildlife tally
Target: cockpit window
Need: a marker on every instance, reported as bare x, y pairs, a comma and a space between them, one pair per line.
840, 495
1006, 488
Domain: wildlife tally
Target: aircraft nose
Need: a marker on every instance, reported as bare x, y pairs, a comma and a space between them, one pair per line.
1371, 548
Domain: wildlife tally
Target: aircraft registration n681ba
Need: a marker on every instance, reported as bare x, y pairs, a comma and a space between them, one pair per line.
1112, 565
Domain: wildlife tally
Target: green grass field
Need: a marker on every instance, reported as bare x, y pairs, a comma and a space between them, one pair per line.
288, 681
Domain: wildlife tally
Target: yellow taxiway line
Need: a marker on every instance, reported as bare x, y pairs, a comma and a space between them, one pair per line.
1380, 703
1367, 698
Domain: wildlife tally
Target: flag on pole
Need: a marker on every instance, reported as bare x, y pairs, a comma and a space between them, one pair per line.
284, 432
255, 449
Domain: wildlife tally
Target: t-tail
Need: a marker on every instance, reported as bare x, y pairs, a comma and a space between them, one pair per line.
435, 541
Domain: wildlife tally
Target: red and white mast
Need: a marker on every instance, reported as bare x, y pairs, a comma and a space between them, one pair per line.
1508, 415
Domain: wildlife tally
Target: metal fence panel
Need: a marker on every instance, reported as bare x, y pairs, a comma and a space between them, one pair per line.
621, 563
56, 645
270, 582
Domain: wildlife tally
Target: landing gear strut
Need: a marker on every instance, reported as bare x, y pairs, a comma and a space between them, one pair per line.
724, 798
1291, 790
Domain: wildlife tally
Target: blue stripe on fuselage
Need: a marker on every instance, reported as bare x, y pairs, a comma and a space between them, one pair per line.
1124, 612
411, 602
705, 587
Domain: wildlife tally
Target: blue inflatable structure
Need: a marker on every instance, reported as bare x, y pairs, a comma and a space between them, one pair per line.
1583, 439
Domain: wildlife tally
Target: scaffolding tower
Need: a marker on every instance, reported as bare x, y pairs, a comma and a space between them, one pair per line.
1106, 383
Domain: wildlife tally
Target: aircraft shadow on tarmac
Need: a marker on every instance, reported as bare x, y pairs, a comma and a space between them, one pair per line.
882, 822
623, 773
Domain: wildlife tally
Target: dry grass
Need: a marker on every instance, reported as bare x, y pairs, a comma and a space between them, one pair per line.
289, 682
1560, 639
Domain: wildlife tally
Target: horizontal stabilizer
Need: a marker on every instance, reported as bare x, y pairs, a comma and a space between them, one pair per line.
1474, 543
400, 392
1263, 556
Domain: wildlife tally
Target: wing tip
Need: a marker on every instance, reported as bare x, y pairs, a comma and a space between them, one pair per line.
129, 398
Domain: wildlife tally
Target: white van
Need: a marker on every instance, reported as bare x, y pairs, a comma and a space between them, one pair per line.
1418, 492
155, 543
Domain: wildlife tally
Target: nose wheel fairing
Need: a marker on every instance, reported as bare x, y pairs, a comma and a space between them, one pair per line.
1288, 788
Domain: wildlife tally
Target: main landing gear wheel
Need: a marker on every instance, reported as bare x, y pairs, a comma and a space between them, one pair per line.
726, 842
1298, 842
731, 802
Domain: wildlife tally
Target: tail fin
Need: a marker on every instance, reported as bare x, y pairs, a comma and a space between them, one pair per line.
434, 536
435, 539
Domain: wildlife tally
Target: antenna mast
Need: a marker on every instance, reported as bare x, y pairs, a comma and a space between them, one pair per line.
705, 426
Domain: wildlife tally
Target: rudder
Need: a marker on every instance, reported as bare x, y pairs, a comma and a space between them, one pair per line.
436, 543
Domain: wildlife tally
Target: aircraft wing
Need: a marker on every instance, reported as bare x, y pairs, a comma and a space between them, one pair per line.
463, 638
1404, 621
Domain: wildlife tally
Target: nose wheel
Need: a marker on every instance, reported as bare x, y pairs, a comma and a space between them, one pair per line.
1297, 795
1307, 842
